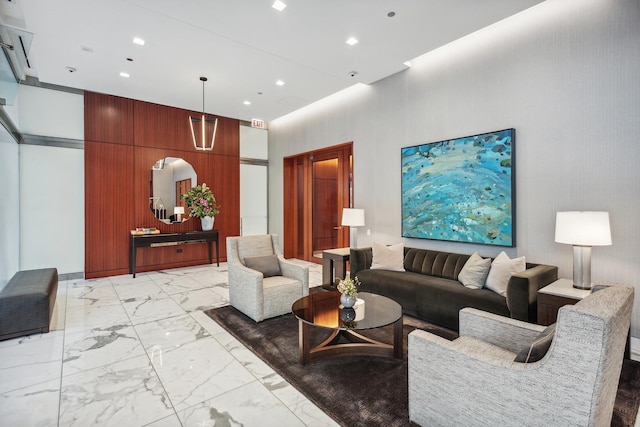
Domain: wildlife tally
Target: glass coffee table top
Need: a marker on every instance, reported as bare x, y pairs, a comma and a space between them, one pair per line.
324, 309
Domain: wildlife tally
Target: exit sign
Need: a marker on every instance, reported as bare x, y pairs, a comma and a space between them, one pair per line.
257, 123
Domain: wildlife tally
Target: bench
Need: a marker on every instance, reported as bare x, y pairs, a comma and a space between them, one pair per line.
26, 303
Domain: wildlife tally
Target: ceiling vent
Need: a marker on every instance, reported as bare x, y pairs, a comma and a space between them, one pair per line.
16, 44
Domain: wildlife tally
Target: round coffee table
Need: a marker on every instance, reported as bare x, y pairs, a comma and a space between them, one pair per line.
323, 310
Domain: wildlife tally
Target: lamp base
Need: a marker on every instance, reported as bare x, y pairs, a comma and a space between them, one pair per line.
582, 267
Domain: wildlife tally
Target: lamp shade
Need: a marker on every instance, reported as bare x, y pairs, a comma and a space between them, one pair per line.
353, 217
178, 210
583, 228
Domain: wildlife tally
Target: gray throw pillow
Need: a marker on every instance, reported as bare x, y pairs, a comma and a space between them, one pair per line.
538, 348
268, 265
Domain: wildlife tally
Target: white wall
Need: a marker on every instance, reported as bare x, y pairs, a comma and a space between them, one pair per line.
9, 207
564, 74
51, 182
254, 145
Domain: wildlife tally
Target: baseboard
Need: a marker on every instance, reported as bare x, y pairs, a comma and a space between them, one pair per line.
71, 276
635, 349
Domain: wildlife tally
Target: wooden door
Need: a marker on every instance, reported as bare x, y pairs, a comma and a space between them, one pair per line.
318, 186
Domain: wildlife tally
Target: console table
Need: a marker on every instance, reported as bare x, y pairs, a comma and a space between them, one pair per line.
170, 239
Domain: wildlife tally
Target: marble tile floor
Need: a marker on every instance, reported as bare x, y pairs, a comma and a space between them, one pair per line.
141, 352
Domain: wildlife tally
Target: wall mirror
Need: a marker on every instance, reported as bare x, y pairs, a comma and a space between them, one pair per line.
170, 177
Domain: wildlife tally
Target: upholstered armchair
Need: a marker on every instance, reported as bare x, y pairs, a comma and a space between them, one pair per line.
262, 284
474, 380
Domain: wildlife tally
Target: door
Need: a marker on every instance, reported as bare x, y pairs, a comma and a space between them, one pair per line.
318, 185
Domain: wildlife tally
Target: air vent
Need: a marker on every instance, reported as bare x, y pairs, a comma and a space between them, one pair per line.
16, 44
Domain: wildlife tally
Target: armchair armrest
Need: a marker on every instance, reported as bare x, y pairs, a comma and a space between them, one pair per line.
295, 271
510, 334
522, 290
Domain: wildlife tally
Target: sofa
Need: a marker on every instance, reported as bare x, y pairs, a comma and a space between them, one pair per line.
429, 288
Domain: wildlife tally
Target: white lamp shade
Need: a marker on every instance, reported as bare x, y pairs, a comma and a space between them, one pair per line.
178, 210
583, 228
353, 217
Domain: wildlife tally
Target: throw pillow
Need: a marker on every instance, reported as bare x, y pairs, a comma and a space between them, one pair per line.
268, 265
538, 348
502, 268
475, 271
387, 257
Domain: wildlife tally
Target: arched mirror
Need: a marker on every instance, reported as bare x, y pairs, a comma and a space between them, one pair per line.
170, 177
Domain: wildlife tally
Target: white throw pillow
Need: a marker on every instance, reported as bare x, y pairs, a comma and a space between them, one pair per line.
388, 257
502, 268
475, 271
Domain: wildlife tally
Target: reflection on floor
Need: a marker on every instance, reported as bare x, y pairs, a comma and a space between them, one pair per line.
140, 352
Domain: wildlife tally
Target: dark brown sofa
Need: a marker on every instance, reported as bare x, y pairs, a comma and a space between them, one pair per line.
429, 288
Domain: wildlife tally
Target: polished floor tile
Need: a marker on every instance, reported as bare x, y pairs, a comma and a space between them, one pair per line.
141, 352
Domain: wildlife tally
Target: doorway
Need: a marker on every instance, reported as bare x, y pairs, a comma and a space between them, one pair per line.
317, 186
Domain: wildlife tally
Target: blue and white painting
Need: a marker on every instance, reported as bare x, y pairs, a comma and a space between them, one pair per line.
461, 189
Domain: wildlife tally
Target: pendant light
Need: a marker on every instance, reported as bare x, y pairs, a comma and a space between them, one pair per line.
202, 127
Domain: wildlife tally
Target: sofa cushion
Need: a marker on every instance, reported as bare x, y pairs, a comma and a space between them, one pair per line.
388, 257
502, 268
475, 271
538, 348
268, 265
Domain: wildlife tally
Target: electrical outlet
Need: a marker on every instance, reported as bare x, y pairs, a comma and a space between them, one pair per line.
368, 232
179, 251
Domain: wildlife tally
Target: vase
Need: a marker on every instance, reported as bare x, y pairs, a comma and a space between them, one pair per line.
348, 301
207, 223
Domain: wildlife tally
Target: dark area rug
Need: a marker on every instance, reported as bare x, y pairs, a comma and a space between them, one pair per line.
360, 390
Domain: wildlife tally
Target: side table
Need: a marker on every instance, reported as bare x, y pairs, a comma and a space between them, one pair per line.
334, 266
555, 295
559, 293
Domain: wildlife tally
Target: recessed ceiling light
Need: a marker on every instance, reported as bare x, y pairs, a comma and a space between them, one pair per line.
280, 83
123, 74
352, 41
278, 5
247, 102
138, 40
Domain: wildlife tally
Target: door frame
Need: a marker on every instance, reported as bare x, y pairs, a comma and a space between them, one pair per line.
298, 200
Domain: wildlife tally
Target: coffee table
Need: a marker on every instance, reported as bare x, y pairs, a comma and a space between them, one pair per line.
323, 310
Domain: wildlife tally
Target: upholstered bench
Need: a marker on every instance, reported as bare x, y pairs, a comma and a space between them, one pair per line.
26, 302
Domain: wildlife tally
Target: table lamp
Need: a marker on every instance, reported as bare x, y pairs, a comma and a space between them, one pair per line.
353, 218
583, 230
178, 211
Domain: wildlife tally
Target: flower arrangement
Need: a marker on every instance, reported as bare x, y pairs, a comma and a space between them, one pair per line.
201, 201
348, 286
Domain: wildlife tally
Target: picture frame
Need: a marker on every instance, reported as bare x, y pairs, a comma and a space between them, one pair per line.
461, 189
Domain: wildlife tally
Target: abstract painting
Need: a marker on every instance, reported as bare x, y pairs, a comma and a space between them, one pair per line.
461, 190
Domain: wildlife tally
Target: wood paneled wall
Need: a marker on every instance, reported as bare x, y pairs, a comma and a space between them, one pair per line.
123, 139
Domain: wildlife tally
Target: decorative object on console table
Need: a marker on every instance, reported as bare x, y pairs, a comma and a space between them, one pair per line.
334, 266
202, 204
178, 211
207, 223
353, 218
583, 230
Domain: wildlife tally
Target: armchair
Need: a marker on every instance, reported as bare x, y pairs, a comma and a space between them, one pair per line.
267, 293
474, 380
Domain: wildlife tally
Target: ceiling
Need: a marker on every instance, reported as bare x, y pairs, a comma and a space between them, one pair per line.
242, 46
